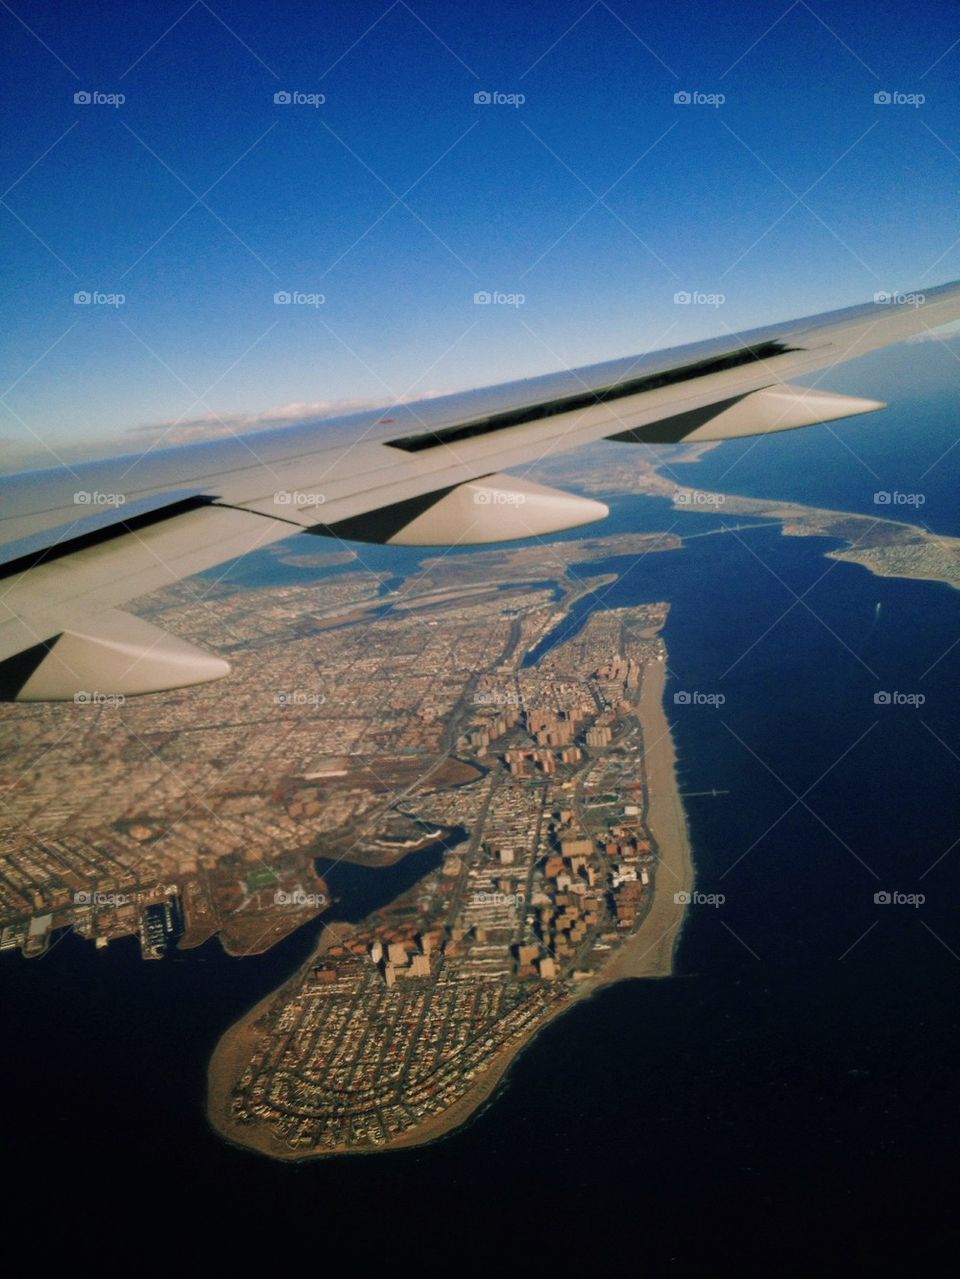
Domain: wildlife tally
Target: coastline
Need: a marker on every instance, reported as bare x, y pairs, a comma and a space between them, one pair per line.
650, 952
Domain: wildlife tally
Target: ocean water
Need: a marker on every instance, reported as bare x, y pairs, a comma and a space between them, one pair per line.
357, 891
785, 1100
910, 449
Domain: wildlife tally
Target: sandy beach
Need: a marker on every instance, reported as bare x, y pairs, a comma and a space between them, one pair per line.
650, 951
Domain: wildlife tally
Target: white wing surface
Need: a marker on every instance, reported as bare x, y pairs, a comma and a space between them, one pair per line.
78, 542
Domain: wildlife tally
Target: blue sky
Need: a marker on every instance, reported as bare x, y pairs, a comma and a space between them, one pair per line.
597, 198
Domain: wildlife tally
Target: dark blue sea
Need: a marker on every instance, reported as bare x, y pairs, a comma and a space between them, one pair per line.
786, 1104
909, 451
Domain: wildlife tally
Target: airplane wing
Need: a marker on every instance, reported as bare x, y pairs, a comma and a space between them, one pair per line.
78, 542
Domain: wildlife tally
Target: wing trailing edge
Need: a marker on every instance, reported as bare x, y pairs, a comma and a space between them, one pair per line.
428, 474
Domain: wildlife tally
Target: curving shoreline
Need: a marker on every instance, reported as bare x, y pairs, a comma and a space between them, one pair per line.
649, 952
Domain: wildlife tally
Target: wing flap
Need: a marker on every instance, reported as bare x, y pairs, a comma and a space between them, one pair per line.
782, 408
763, 412
60, 630
115, 655
496, 508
